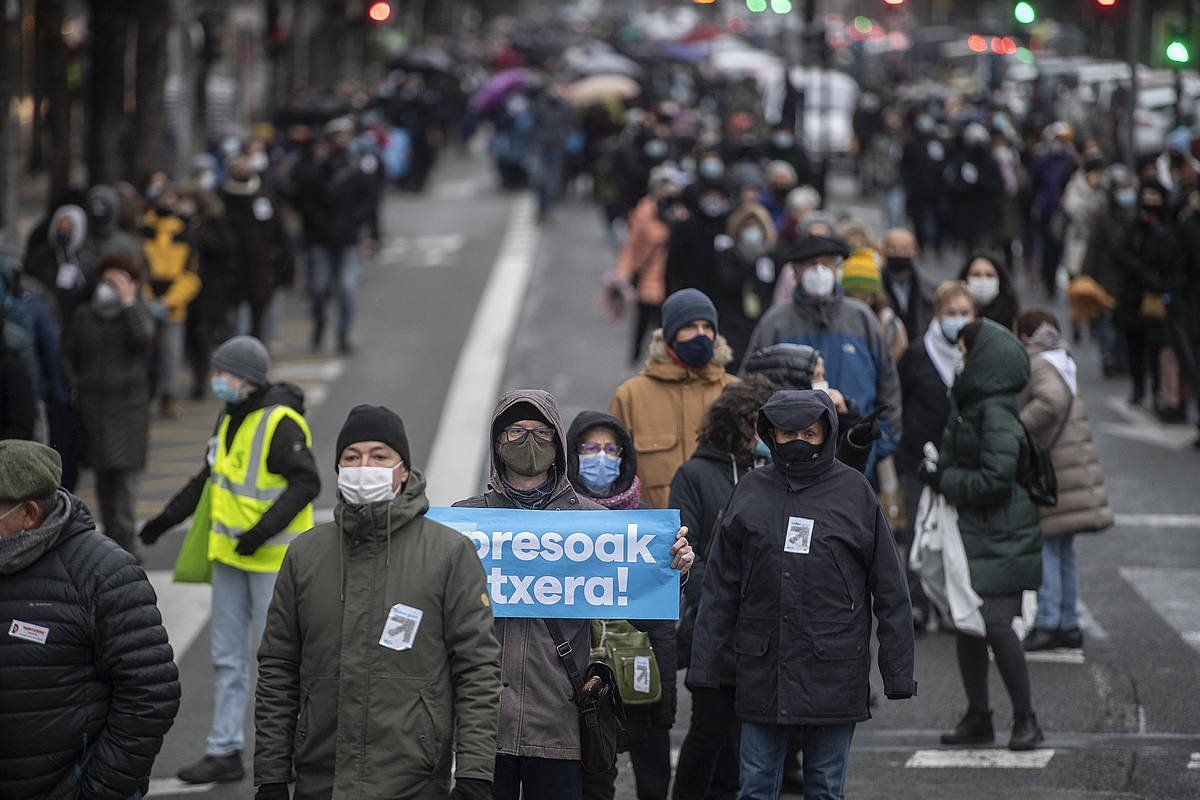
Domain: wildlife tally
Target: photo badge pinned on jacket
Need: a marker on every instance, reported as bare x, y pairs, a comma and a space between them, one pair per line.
400, 630
799, 535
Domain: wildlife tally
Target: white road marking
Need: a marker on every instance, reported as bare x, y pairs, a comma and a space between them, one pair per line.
1174, 593
979, 759
1159, 520
1091, 627
1142, 426
184, 607
422, 251
166, 787
1060, 656
308, 370
1194, 761
456, 464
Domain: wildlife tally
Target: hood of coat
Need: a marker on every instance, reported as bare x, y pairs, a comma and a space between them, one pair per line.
786, 364
371, 521
275, 394
547, 406
79, 225
996, 365
104, 210
586, 420
660, 365
749, 214
793, 410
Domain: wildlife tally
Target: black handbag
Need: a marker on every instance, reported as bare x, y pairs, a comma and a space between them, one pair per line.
602, 717
1041, 480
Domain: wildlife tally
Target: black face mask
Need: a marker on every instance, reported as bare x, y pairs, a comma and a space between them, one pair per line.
695, 352
899, 265
796, 455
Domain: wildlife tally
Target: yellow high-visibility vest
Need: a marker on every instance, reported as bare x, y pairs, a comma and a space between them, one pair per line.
243, 488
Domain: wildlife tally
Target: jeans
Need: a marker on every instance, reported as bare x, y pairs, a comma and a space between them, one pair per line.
115, 490
239, 614
892, 203
1059, 593
518, 777
330, 268
170, 357
708, 766
1109, 341
826, 751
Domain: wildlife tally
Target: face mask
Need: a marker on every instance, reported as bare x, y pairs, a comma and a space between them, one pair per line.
760, 449
796, 454
821, 386
783, 141
712, 168
225, 391
529, 457
713, 207
899, 265
952, 326
362, 485
207, 181
817, 281
984, 290
106, 301
695, 352
62, 238
1125, 198
655, 148
960, 362
752, 240
599, 471
259, 162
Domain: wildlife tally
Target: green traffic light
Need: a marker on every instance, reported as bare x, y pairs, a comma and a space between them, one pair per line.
1177, 52
1024, 13
781, 6
756, 6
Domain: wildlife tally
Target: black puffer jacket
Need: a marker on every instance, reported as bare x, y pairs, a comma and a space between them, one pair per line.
82, 713
799, 620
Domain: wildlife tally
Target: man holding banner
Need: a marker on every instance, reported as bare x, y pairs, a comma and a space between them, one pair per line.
541, 579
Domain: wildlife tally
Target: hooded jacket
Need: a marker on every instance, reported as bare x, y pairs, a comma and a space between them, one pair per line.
537, 707
172, 262
983, 455
799, 619
261, 252
82, 713
1003, 308
663, 408
105, 236
858, 358
353, 717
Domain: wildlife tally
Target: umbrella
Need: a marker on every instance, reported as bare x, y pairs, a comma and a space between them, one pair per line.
499, 87
600, 63
603, 88
424, 59
703, 33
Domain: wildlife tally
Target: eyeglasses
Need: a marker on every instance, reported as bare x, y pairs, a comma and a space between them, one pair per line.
516, 434
590, 449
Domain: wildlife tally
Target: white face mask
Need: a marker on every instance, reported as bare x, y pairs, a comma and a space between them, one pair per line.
984, 290
821, 386
362, 485
818, 281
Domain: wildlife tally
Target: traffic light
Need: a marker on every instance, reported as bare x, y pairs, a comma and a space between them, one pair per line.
1106, 3
756, 6
894, 2
379, 11
781, 6
1177, 51
1024, 13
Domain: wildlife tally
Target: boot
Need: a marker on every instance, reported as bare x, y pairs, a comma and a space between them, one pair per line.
1040, 639
1072, 639
1026, 733
214, 769
975, 728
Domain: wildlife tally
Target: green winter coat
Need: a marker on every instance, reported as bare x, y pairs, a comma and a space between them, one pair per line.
352, 717
984, 452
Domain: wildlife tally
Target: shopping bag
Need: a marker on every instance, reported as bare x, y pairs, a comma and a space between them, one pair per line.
192, 565
940, 562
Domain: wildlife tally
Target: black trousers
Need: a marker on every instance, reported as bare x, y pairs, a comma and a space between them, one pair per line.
651, 769
648, 318
518, 777
708, 760
998, 614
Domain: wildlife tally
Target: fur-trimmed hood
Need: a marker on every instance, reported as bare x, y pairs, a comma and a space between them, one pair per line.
661, 366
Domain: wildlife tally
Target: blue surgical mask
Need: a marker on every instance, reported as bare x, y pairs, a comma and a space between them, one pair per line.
599, 471
952, 326
712, 168
760, 449
1125, 198
224, 390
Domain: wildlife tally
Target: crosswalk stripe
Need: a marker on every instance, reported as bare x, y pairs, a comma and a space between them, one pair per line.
1159, 521
1174, 593
979, 759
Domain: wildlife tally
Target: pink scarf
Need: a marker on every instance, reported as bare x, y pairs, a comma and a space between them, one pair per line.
627, 500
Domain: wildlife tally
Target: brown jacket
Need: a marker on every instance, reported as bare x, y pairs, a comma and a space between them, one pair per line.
662, 408
1082, 500
643, 258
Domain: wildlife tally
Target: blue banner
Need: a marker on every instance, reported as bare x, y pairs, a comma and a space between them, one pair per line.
573, 564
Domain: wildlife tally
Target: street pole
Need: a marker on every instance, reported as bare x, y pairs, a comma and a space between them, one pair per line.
1133, 47
10, 23
181, 64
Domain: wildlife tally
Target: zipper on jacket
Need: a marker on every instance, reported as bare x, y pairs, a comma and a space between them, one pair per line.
845, 583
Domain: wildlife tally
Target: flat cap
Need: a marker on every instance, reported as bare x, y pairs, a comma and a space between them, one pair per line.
28, 471
812, 246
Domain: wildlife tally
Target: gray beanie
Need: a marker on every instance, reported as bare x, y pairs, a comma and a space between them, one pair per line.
684, 307
244, 357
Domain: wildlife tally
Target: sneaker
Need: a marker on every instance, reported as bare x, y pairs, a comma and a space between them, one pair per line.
1072, 638
214, 769
1026, 733
975, 728
1040, 639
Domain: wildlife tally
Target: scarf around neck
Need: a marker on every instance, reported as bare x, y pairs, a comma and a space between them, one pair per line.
627, 500
941, 352
18, 552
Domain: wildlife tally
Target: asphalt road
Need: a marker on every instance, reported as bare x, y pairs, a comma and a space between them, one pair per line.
1122, 716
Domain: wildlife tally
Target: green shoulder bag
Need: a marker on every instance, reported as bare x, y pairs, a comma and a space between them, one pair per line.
628, 653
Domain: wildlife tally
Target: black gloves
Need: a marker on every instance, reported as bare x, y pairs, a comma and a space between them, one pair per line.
865, 432
471, 789
272, 791
250, 541
152, 530
662, 715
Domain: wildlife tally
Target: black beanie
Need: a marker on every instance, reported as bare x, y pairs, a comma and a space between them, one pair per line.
515, 413
684, 307
373, 424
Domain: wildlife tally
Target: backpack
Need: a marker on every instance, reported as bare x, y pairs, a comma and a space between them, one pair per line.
628, 653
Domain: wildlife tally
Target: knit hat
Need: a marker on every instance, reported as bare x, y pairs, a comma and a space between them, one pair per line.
684, 307
28, 471
244, 357
860, 273
517, 412
374, 424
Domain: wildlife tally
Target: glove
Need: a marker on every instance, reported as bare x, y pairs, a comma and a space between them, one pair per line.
250, 541
865, 432
662, 715
471, 789
930, 477
272, 791
153, 530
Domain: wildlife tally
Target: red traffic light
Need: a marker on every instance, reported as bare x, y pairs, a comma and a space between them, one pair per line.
380, 11
1106, 3
894, 2
977, 43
